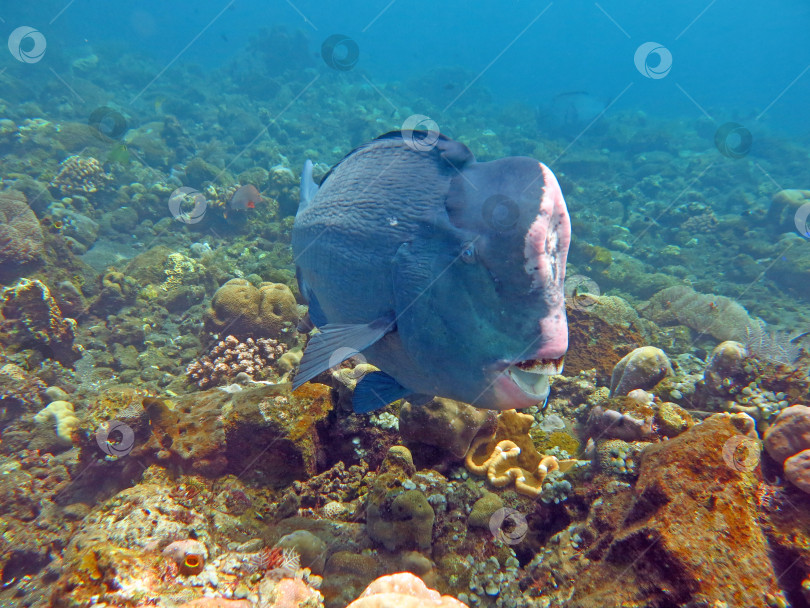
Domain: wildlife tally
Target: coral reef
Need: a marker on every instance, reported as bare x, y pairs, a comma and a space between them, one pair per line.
230, 357
126, 485
30, 305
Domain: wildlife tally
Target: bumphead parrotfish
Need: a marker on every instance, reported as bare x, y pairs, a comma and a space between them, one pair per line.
445, 273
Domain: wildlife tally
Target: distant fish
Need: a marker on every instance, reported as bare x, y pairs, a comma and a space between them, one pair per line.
119, 154
572, 110
245, 197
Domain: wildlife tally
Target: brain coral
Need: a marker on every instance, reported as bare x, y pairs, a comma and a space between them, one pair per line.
20, 233
245, 311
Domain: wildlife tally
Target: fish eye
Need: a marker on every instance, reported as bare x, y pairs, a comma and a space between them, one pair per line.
468, 253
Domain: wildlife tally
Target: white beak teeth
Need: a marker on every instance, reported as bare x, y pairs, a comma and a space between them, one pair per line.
532, 376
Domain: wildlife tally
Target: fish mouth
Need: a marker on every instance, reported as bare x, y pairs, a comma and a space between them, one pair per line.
531, 376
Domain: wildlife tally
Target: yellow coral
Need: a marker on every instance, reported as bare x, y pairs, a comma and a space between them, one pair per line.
64, 417
510, 456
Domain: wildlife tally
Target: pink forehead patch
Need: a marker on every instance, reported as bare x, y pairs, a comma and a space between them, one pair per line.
545, 250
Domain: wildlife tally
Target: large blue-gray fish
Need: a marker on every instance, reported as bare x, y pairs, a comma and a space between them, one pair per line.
445, 273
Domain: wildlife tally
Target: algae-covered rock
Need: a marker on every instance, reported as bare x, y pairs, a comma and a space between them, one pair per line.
600, 334
310, 549
264, 432
443, 423
643, 368
404, 521
396, 517
667, 532
482, 510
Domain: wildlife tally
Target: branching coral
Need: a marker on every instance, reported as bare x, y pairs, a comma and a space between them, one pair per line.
78, 174
230, 357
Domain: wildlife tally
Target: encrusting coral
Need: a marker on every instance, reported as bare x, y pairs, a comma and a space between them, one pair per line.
510, 456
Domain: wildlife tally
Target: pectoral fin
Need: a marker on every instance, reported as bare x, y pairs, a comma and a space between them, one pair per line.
336, 343
376, 390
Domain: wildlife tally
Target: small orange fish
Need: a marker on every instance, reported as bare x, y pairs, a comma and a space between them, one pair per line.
245, 197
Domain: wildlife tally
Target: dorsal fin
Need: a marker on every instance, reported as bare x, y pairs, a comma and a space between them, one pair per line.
308, 186
452, 152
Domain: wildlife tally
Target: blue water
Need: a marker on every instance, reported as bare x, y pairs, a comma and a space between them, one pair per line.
747, 58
